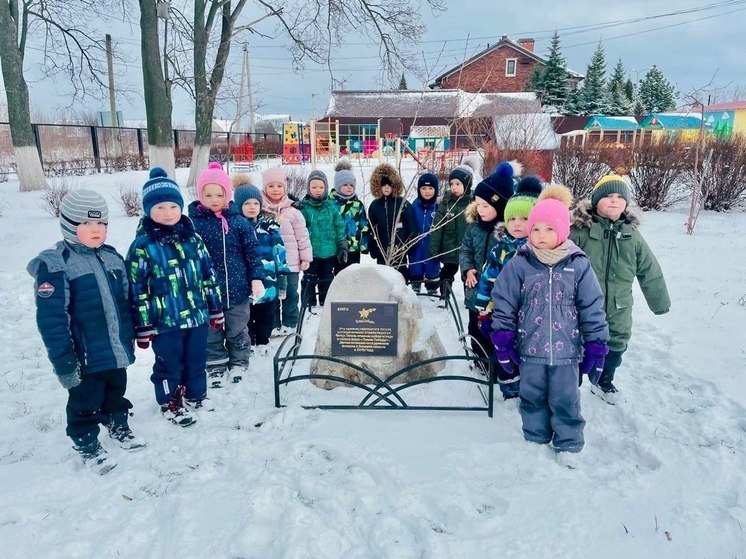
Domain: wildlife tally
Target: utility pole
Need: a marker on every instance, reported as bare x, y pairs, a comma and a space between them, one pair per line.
112, 99
252, 114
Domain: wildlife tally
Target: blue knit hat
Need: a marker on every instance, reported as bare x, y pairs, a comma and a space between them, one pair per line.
245, 192
160, 188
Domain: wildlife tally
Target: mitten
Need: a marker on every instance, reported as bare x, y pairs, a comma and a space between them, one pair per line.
507, 355
485, 323
342, 256
594, 355
217, 320
143, 336
257, 289
70, 380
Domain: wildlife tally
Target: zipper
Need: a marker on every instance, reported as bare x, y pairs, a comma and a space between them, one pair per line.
551, 327
610, 233
225, 267
111, 288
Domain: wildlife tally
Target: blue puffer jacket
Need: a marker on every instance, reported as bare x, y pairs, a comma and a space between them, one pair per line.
423, 217
554, 310
271, 254
82, 308
234, 254
497, 259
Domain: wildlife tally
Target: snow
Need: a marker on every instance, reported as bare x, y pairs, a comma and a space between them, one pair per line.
663, 473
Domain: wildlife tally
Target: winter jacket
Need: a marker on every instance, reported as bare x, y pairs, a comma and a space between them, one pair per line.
355, 220
391, 217
325, 227
553, 310
500, 254
619, 254
423, 217
234, 254
449, 226
82, 308
172, 281
293, 230
478, 240
271, 253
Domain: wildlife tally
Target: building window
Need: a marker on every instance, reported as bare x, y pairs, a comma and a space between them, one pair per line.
510, 64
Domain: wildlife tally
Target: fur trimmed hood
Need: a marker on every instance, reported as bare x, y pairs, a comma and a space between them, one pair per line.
471, 212
582, 217
386, 170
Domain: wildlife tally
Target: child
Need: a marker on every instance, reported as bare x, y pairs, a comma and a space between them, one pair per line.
421, 267
483, 215
82, 313
391, 218
174, 295
297, 244
449, 224
608, 232
328, 241
547, 306
353, 213
231, 242
248, 199
510, 235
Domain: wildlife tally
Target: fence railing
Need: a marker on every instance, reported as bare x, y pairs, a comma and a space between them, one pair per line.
74, 149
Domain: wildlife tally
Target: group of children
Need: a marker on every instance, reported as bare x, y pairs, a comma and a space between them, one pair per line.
205, 287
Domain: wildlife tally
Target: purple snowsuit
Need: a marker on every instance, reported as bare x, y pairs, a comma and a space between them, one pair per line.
553, 311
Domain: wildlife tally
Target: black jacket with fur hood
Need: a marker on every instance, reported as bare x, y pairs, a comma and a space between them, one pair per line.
391, 217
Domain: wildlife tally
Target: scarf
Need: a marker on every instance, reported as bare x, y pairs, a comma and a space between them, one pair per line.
550, 256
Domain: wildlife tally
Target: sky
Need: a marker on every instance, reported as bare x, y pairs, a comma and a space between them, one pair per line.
695, 49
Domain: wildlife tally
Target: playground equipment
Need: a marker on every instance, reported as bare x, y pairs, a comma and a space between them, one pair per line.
324, 141
296, 143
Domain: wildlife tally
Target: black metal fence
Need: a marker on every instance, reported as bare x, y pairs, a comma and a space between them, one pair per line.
74, 149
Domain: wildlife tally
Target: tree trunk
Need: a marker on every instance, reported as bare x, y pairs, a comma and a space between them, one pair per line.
28, 163
158, 105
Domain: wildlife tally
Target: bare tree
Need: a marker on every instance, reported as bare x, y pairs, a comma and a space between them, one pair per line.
579, 167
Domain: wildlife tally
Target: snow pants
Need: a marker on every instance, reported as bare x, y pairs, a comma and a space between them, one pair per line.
229, 348
261, 320
550, 406
180, 360
287, 311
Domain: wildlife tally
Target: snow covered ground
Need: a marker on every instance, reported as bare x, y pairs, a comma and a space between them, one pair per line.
663, 474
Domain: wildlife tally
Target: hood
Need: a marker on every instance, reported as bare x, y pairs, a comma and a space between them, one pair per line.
582, 216
471, 212
286, 202
386, 169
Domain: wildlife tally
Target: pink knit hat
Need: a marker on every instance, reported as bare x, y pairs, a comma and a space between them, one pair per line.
553, 208
214, 174
274, 174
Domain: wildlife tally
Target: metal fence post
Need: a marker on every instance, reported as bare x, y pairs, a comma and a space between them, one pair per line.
96, 151
140, 145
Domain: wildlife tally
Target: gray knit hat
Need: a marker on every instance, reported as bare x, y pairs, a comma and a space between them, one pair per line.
79, 206
320, 176
343, 177
610, 184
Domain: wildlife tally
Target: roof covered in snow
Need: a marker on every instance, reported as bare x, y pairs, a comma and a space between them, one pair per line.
530, 131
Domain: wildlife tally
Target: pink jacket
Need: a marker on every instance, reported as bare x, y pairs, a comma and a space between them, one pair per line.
293, 232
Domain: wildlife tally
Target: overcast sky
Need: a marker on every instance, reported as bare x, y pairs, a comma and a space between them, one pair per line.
689, 48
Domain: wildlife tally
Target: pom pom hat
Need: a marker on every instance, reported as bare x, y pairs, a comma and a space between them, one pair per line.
610, 184
80, 206
214, 174
497, 188
344, 175
553, 208
158, 189
524, 199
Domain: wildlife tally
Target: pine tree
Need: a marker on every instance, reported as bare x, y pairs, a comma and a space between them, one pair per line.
629, 91
656, 92
551, 82
593, 97
619, 103
403, 83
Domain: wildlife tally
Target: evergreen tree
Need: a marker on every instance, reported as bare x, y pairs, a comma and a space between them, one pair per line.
619, 103
551, 82
656, 92
638, 109
403, 83
629, 91
593, 97
572, 103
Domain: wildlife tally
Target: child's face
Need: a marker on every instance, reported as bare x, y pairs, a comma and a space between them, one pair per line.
166, 213
517, 227
543, 236
214, 198
457, 187
275, 191
91, 233
427, 192
386, 190
347, 190
251, 208
316, 188
485, 211
611, 206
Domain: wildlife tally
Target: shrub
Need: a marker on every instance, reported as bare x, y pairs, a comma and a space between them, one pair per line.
129, 200
579, 168
723, 184
53, 195
296, 178
656, 173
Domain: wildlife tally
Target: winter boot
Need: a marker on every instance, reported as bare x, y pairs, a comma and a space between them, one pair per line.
198, 406
416, 286
95, 458
217, 378
126, 438
177, 414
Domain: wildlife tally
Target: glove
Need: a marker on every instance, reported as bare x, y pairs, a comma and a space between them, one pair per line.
257, 289
217, 320
304, 266
70, 380
342, 256
594, 355
507, 355
143, 336
485, 323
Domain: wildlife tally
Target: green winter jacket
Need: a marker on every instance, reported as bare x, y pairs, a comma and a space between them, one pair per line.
479, 239
449, 225
325, 227
618, 255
